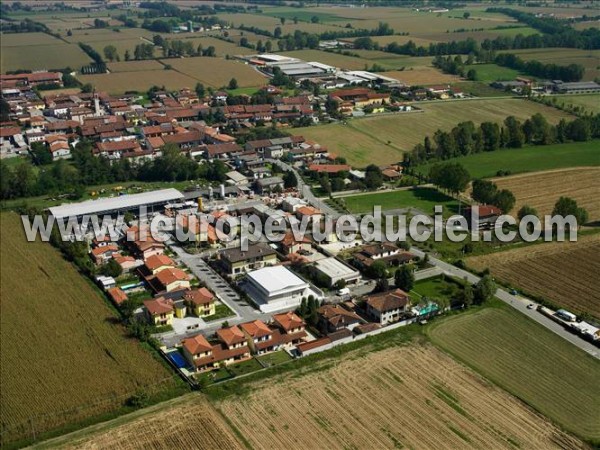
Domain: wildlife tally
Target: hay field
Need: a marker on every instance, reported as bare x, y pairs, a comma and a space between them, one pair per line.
423, 76
565, 56
401, 397
38, 51
533, 363
383, 139
141, 81
536, 269
217, 72
135, 66
542, 189
588, 102
188, 422
63, 357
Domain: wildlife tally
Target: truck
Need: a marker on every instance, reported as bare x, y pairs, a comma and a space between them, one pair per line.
344, 291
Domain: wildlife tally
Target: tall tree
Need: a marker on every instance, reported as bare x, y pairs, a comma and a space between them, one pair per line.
404, 278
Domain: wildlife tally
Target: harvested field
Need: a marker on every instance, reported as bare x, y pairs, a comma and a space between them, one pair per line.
533, 363
401, 397
119, 82
135, 66
190, 422
217, 72
64, 356
534, 269
542, 189
565, 56
383, 139
422, 76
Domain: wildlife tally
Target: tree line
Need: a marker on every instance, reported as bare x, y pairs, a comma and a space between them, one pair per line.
86, 170
466, 138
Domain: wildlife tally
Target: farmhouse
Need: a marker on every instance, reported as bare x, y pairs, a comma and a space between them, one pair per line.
388, 307
482, 217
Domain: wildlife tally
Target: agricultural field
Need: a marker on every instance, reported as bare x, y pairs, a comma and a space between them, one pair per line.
565, 56
383, 139
135, 66
267, 22
217, 72
423, 76
534, 269
529, 361
138, 81
222, 48
528, 159
587, 102
38, 51
493, 72
422, 198
542, 189
380, 399
491, 33
65, 359
188, 422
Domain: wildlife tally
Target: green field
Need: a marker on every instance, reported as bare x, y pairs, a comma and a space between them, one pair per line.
589, 102
529, 159
590, 59
65, 358
529, 361
382, 139
423, 198
493, 72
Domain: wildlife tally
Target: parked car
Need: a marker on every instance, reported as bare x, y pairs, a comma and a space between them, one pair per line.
513, 292
530, 306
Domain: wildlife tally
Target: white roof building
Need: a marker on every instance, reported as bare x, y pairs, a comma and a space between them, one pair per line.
277, 288
335, 270
115, 205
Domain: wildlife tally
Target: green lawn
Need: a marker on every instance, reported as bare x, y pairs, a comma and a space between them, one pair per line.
529, 159
242, 368
421, 198
271, 359
432, 288
493, 72
221, 312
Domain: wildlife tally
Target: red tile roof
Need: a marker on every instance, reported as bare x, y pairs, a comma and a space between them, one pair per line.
231, 336
256, 329
197, 344
200, 296
155, 261
159, 305
171, 275
288, 321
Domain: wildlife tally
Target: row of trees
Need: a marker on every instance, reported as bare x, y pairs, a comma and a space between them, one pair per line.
487, 192
466, 138
86, 170
572, 72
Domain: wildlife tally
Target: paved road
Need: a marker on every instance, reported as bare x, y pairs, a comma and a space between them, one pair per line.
519, 303
305, 190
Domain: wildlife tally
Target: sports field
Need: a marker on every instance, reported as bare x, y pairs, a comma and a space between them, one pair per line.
65, 359
528, 159
423, 198
565, 273
542, 189
531, 362
382, 139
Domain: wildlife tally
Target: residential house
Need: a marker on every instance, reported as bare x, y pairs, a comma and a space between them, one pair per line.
157, 263
117, 295
291, 325
127, 263
169, 279
289, 244
159, 311
269, 184
482, 217
334, 318
103, 254
388, 253
236, 261
388, 307
200, 302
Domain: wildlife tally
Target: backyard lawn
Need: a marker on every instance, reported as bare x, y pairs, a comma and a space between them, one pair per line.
423, 198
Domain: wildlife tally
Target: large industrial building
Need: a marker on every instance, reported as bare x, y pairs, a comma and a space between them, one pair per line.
153, 201
277, 288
